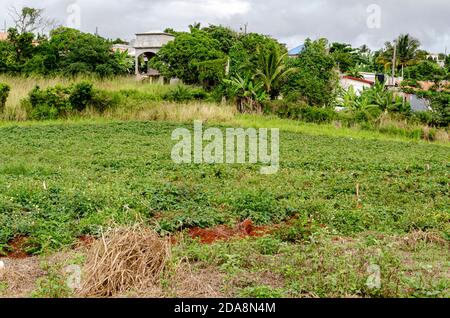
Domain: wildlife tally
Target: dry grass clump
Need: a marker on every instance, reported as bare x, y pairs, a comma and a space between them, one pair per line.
124, 259
414, 238
442, 135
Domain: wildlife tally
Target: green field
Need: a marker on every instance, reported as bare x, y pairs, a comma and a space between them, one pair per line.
60, 181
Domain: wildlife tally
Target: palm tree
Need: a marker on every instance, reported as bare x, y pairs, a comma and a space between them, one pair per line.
407, 48
272, 71
195, 26
364, 49
407, 52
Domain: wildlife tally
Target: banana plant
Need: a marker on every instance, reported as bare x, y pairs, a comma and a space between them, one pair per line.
250, 94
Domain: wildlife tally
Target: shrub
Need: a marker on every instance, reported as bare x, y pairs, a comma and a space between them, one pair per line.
199, 93
179, 94
300, 111
50, 103
300, 230
59, 101
4, 92
81, 95
261, 207
103, 100
183, 93
410, 83
440, 103
425, 118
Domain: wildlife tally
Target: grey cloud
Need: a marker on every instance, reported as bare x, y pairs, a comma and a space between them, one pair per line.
290, 21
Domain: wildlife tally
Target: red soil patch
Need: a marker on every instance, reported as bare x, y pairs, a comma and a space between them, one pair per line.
225, 233
86, 240
17, 246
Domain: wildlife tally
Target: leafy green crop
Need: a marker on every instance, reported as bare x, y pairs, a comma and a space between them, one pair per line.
61, 181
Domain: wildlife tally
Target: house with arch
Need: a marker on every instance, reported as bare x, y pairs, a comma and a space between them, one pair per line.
147, 45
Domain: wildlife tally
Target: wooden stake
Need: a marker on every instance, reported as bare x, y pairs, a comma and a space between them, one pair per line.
358, 200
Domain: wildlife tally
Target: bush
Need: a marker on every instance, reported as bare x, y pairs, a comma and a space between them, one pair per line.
300, 111
440, 103
81, 95
103, 100
425, 118
4, 92
410, 83
300, 230
59, 101
179, 94
50, 103
183, 93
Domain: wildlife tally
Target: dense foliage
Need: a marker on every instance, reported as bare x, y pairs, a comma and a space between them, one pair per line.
61, 101
248, 69
315, 80
426, 71
194, 57
440, 104
65, 52
4, 92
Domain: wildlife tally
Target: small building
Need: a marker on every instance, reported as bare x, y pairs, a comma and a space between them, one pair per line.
3, 36
148, 44
358, 84
369, 76
436, 57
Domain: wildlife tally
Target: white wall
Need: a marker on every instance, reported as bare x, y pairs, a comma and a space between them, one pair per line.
358, 86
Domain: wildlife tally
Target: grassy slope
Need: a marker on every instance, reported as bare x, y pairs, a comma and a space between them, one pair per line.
59, 181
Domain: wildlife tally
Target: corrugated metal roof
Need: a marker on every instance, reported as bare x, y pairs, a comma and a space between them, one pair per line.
297, 50
362, 80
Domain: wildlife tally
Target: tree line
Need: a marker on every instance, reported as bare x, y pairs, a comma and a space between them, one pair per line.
249, 67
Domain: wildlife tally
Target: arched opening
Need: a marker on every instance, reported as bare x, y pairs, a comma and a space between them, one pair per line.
143, 68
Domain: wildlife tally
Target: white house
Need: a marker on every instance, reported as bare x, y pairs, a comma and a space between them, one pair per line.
437, 58
358, 84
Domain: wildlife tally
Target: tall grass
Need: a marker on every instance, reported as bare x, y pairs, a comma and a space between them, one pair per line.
166, 111
21, 86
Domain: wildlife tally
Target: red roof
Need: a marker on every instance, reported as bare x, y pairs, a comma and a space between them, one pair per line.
362, 80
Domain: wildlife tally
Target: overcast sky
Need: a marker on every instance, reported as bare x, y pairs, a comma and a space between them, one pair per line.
290, 21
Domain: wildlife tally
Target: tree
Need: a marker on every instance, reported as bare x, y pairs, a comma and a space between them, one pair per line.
30, 20
225, 36
407, 48
425, 71
16, 51
245, 54
345, 56
272, 71
194, 57
315, 78
75, 52
407, 52
67, 52
7, 57
364, 49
